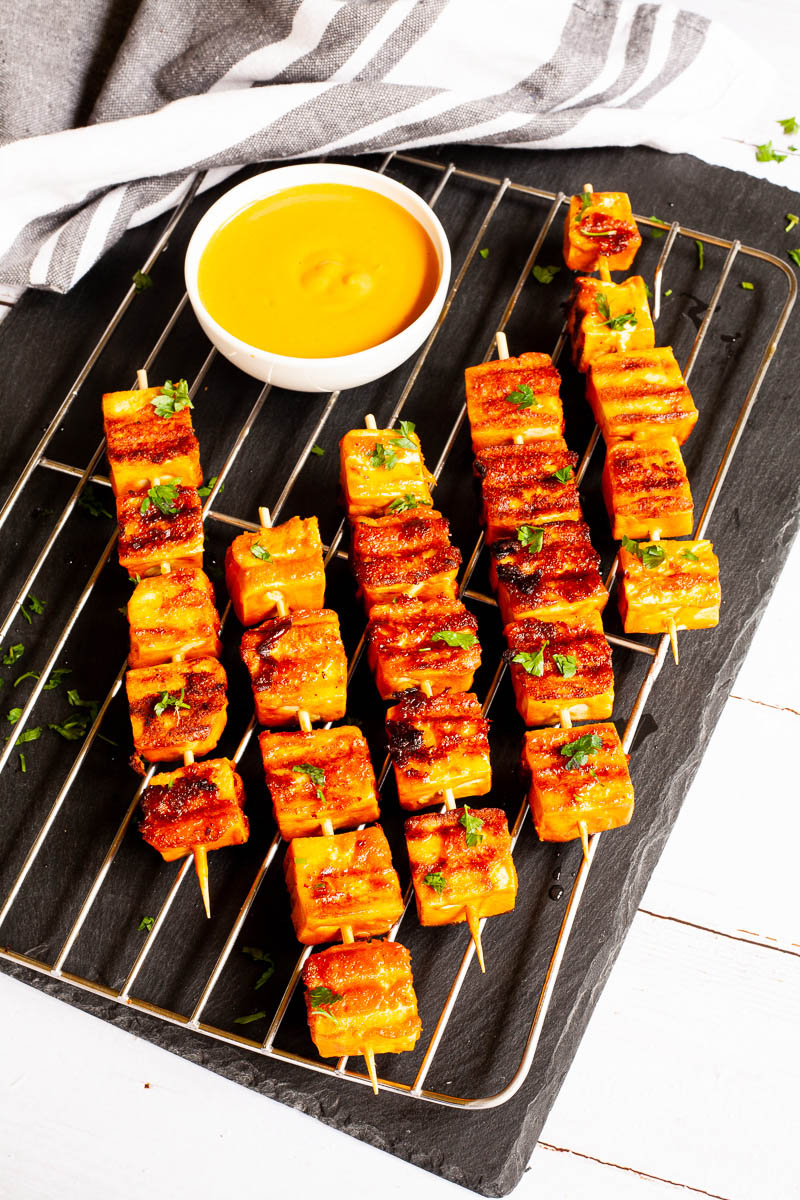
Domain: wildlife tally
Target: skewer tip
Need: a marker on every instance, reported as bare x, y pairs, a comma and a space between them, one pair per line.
584, 831
201, 867
141, 380
475, 931
347, 934
449, 799
304, 720
565, 718
264, 516
369, 1059
369, 422
501, 341
673, 639
326, 825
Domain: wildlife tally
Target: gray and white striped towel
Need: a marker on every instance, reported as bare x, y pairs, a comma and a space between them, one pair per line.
196, 86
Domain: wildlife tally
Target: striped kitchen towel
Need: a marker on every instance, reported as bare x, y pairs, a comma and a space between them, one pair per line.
126, 104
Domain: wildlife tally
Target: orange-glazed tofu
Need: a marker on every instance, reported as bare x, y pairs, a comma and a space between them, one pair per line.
297, 662
558, 667
600, 225
278, 566
609, 318
417, 641
173, 615
436, 743
664, 582
405, 553
458, 859
149, 437
361, 997
527, 485
161, 525
197, 805
646, 489
380, 466
512, 399
577, 775
177, 707
547, 571
640, 395
325, 775
345, 879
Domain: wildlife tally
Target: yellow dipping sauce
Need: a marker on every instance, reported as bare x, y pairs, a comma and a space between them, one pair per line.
318, 271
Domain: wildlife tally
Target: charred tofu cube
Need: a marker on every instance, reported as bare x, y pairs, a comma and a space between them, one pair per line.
346, 879
600, 225
527, 485
380, 467
323, 775
172, 616
547, 571
609, 318
361, 997
162, 525
417, 641
640, 395
281, 566
560, 666
645, 488
436, 743
461, 859
665, 582
177, 707
511, 399
297, 662
197, 805
144, 447
577, 775
404, 554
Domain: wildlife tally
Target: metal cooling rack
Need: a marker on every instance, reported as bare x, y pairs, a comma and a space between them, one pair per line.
193, 1021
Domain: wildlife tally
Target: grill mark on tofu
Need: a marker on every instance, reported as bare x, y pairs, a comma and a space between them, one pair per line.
455, 721
473, 862
204, 692
195, 808
156, 441
493, 419
406, 549
583, 640
145, 535
519, 485
618, 235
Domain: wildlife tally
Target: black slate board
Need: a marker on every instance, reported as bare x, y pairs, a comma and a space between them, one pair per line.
43, 343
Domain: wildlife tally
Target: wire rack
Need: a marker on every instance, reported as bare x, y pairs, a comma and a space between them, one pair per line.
653, 650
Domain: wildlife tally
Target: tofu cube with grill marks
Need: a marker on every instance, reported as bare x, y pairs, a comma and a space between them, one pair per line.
520, 486
435, 743
325, 774
669, 581
404, 554
297, 662
559, 666
151, 537
143, 447
197, 805
609, 318
567, 788
417, 641
645, 488
278, 565
600, 225
171, 615
361, 997
452, 869
378, 468
513, 397
345, 879
559, 580
640, 395
177, 707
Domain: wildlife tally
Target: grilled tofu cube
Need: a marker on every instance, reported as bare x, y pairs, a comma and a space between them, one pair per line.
577, 775
547, 571
346, 879
435, 743
668, 581
177, 707
510, 398
640, 395
417, 641
197, 805
326, 774
380, 466
361, 997
609, 318
560, 666
458, 859
600, 225
646, 489
404, 554
297, 662
164, 529
278, 565
521, 485
143, 447
173, 615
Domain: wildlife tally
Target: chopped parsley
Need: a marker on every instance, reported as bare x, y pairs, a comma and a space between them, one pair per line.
472, 827
164, 497
406, 430
531, 661
207, 488
315, 774
436, 880
658, 233
321, 1000
93, 505
648, 291
315, 449
531, 537
766, 153
462, 639
256, 1016
794, 255
29, 735
34, 606
586, 202
668, 292
169, 701
789, 125
701, 254
14, 654
578, 752
23, 765
791, 220
649, 555
748, 287
545, 274
13, 715
383, 456
523, 397
260, 956
141, 281
690, 555
146, 924
614, 323
260, 552
28, 675
56, 678
405, 502
484, 253
563, 474
173, 398
567, 664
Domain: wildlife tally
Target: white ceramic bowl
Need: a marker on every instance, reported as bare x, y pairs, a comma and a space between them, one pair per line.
317, 374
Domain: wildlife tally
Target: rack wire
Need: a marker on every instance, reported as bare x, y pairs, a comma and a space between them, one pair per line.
193, 1021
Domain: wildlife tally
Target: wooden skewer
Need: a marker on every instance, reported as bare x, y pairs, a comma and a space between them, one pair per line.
369, 1058
141, 380
672, 628
501, 341
565, 718
199, 852
584, 830
602, 262
369, 422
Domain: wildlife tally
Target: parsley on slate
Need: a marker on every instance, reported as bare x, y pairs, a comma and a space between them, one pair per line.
406, 430
13, 715
27, 675
315, 774
567, 664
93, 505
383, 456
545, 274
692, 557
206, 489
168, 701
578, 751
586, 202
701, 254
792, 220
484, 253
321, 1000
563, 474
472, 827
463, 640
436, 880
648, 292
262, 957
658, 233
748, 287
405, 502
649, 556
23, 765
789, 125
531, 538
315, 449
29, 735
668, 292
531, 662
35, 606
256, 1016
523, 397
141, 282
260, 552
173, 398
164, 496
146, 924
14, 654
794, 255
766, 153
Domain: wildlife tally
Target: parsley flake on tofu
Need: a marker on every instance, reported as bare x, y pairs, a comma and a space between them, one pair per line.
164, 497
649, 555
436, 880
406, 430
472, 827
563, 475
567, 664
586, 202
531, 537
173, 399
383, 457
461, 639
690, 555
260, 552
614, 323
321, 1000
523, 397
578, 752
168, 701
315, 774
406, 502
532, 662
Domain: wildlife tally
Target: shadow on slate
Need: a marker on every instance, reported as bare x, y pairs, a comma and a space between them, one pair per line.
752, 528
